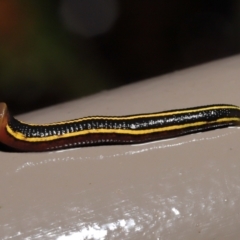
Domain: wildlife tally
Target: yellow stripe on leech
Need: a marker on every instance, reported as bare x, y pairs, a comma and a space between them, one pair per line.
151, 115
21, 137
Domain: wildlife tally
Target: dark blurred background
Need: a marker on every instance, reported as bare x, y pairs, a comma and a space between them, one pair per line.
53, 51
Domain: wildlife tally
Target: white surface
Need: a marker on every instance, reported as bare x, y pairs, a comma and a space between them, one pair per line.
183, 188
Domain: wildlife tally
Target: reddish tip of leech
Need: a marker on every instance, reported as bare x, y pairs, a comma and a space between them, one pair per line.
3, 114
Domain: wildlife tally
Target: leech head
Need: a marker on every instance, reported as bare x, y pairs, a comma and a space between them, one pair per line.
4, 118
3, 115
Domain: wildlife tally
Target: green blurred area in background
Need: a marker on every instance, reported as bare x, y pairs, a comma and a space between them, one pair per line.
43, 61
38, 60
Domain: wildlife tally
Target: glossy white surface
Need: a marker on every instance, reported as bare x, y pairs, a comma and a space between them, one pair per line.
183, 188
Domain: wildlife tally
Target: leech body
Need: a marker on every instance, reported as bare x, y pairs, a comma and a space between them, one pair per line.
99, 130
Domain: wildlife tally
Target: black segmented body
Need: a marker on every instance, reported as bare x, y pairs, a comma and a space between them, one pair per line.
99, 130
139, 123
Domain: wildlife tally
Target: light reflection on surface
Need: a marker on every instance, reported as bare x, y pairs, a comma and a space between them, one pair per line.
95, 231
175, 211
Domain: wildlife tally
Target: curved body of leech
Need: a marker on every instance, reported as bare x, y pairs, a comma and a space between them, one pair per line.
109, 130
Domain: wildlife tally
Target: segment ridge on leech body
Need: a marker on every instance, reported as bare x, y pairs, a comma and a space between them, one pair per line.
99, 130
